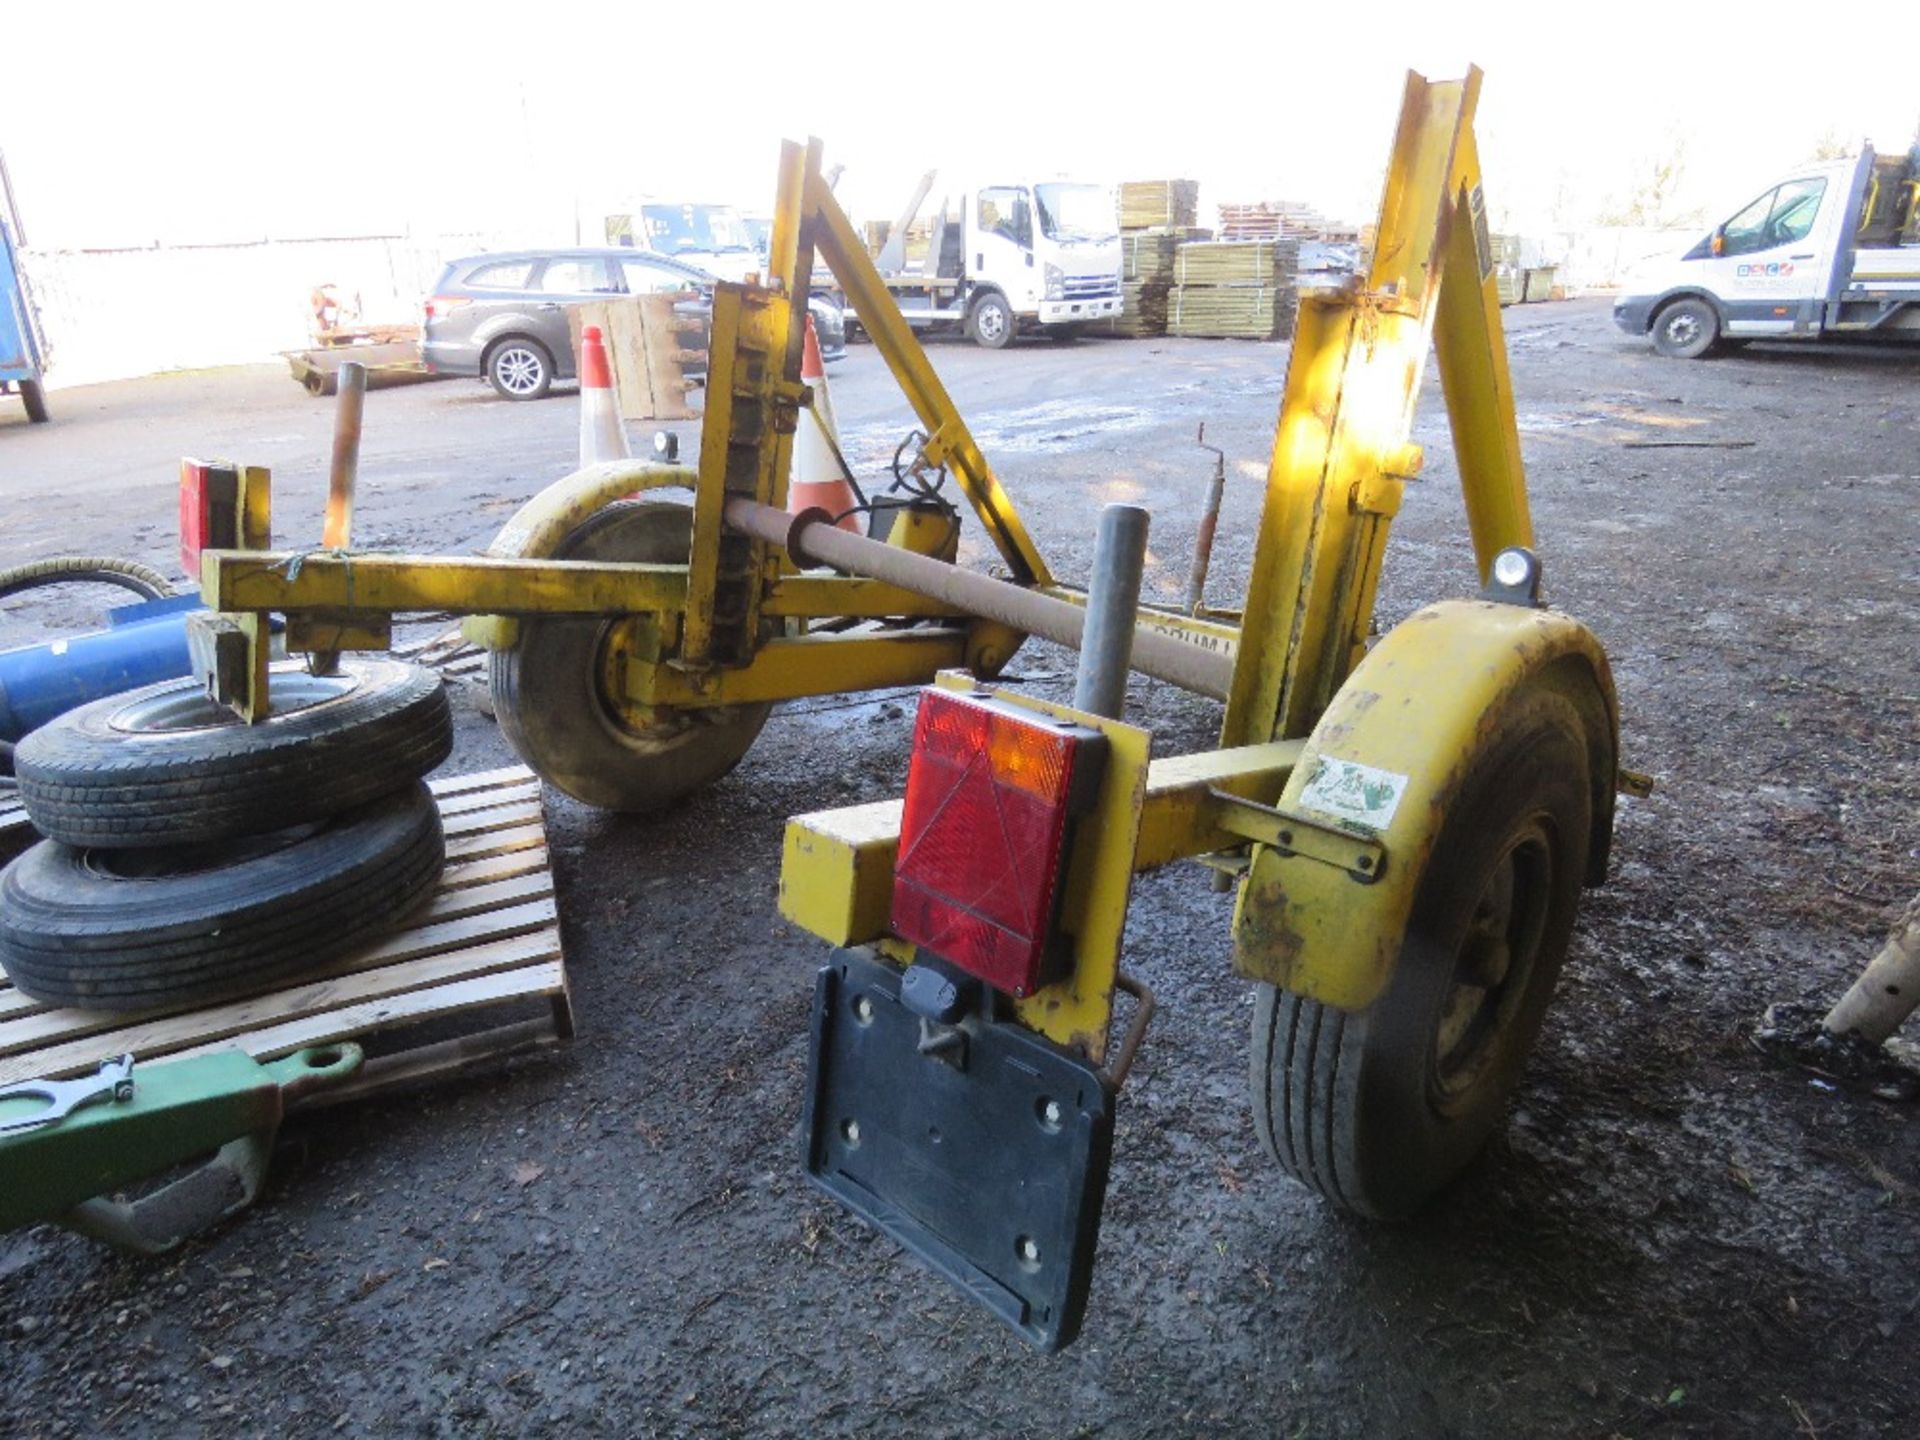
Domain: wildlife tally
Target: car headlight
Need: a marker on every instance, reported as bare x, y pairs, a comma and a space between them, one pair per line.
1056, 281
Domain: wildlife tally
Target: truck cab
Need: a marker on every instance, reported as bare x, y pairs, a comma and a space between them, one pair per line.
714, 237
1829, 249
1007, 257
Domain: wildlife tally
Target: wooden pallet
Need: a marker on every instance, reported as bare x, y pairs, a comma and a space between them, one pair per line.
487, 944
448, 652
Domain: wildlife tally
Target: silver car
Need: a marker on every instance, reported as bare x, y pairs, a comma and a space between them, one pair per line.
504, 315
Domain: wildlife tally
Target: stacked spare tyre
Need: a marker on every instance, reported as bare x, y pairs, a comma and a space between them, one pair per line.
191, 857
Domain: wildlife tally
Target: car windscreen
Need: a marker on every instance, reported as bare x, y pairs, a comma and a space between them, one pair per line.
677, 229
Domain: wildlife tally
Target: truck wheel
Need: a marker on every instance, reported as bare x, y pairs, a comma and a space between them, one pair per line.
1378, 1109
520, 369
991, 321
167, 766
547, 688
1686, 330
34, 396
137, 929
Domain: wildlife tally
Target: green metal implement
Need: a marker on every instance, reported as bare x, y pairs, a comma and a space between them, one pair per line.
67, 1147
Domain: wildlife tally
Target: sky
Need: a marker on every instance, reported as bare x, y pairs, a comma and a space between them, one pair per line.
130, 125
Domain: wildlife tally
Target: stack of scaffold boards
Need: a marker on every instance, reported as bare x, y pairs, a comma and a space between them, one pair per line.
1159, 204
1146, 274
207, 884
1234, 289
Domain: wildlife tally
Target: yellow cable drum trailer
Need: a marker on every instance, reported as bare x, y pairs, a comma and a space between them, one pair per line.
1409, 818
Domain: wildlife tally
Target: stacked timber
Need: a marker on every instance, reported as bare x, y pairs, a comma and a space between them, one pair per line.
1234, 289
1272, 220
1146, 274
1147, 204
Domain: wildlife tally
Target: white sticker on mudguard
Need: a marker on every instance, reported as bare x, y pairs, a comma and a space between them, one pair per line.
1357, 797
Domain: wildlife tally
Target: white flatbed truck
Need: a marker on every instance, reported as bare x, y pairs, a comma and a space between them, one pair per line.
1831, 250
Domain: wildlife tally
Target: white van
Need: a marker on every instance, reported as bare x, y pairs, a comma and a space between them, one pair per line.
1832, 249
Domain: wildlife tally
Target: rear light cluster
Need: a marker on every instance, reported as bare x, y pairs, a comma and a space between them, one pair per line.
439, 306
985, 836
208, 511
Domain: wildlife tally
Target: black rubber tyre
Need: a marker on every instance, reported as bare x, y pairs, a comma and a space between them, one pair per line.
519, 368
991, 321
142, 580
166, 766
1379, 1109
1687, 329
547, 689
137, 930
34, 396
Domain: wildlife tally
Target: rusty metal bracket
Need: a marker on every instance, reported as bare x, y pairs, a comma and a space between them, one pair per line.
1286, 832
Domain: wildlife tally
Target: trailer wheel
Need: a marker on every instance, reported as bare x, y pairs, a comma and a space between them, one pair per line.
34, 396
520, 369
165, 765
1688, 329
1378, 1109
991, 321
547, 688
137, 929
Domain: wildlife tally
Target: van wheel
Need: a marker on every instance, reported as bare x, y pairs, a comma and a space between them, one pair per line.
34, 397
520, 369
991, 321
1686, 330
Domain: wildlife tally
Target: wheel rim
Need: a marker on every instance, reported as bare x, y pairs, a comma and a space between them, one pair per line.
992, 321
1493, 967
188, 707
519, 370
1683, 329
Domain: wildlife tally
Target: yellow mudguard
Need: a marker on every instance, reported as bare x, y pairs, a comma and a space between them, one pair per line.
539, 526
1384, 761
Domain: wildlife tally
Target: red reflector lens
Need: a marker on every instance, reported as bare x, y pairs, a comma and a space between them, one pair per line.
989, 793
438, 305
193, 516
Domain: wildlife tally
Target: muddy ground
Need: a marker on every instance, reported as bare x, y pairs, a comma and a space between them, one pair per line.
1675, 1235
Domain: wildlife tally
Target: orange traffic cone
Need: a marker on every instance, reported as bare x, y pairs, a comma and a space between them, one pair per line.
602, 435
820, 479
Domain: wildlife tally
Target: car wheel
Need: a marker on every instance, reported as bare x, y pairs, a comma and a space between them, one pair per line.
520, 369
1686, 330
991, 321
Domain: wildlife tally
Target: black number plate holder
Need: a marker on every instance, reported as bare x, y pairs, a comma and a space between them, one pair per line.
986, 1157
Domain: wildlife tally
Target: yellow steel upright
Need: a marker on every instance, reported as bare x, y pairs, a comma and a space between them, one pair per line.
746, 437
1341, 454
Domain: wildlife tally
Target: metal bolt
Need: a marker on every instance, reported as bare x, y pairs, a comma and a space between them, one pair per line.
850, 1131
1028, 1252
1050, 1114
863, 1009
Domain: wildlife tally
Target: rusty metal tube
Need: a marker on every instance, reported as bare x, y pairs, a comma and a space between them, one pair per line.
810, 537
344, 473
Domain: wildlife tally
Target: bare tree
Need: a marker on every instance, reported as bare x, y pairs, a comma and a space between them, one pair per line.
1650, 200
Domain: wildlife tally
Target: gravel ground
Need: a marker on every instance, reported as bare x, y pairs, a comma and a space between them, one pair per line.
1674, 1235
